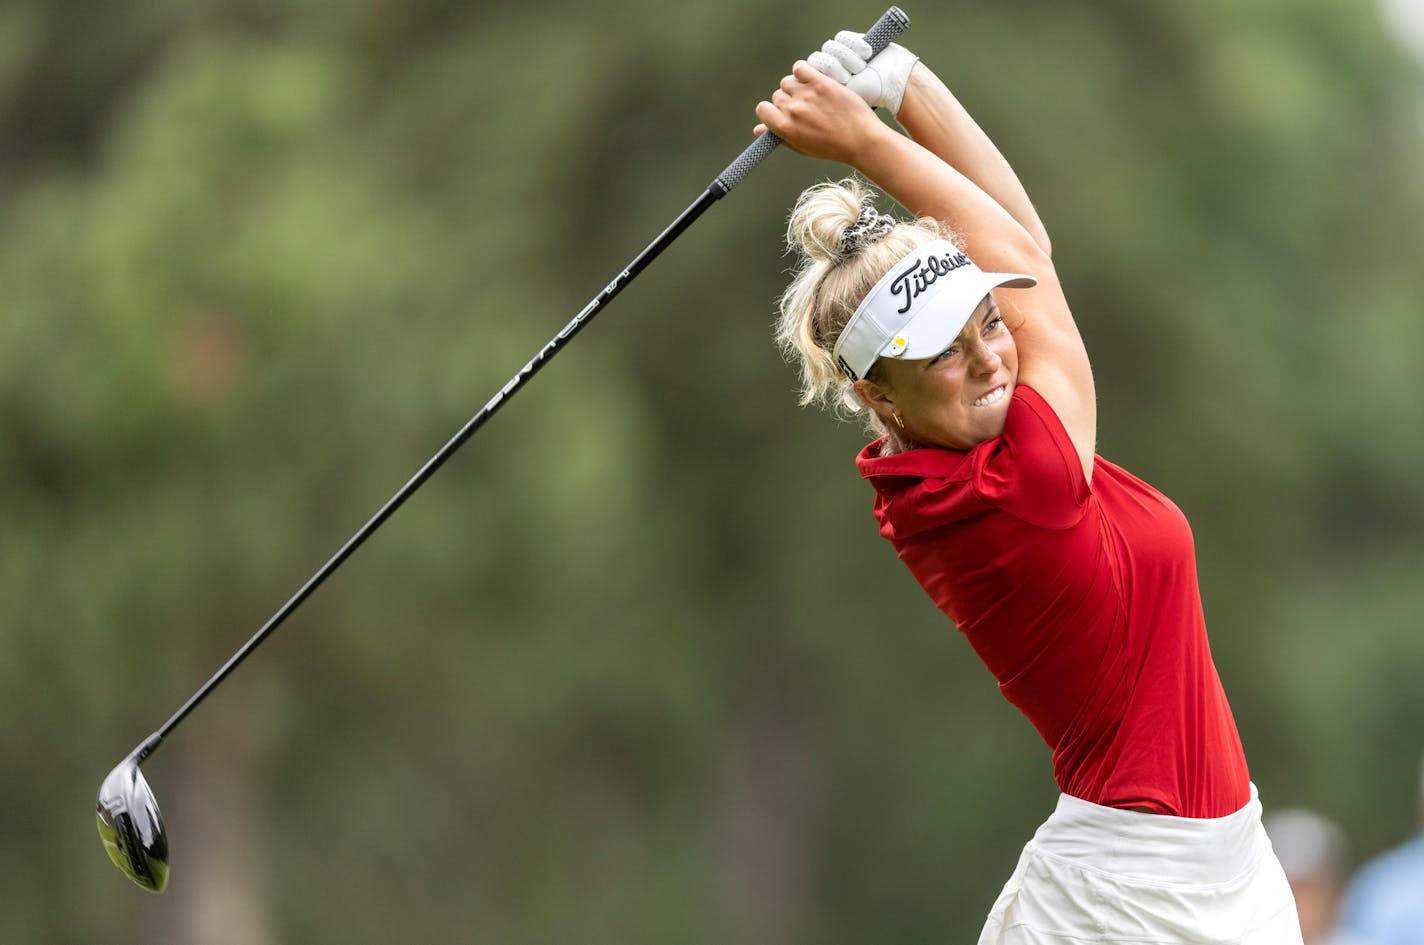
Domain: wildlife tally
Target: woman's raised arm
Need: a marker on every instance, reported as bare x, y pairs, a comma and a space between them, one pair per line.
818, 117
901, 83
935, 118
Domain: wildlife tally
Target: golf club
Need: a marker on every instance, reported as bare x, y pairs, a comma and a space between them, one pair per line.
130, 824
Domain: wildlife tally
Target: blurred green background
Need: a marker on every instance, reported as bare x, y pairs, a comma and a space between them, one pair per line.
635, 666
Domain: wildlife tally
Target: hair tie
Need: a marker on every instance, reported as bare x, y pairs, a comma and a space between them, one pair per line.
868, 227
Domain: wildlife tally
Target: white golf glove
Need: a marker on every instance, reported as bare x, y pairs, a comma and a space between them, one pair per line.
880, 80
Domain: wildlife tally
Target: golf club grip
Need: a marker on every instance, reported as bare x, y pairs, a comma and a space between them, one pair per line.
890, 25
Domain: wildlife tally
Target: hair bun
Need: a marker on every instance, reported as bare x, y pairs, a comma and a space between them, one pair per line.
868, 228
823, 215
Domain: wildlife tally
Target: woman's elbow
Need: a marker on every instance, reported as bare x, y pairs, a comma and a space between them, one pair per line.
1032, 254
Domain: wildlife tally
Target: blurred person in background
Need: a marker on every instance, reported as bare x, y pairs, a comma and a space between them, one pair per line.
1073, 580
1312, 851
1384, 904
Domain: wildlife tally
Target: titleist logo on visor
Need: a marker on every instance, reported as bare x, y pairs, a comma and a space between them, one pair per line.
917, 276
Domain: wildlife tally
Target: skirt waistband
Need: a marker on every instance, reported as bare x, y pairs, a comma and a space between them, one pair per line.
1154, 848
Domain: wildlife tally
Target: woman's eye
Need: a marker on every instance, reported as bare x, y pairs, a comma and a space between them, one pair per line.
945, 355
993, 323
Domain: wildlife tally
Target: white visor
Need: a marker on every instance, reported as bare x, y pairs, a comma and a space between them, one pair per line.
919, 307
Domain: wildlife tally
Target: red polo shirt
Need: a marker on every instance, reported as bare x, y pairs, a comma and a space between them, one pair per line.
1081, 599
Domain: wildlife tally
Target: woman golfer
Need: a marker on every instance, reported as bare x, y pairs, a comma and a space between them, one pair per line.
1074, 581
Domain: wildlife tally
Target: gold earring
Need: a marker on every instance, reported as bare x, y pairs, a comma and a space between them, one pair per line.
898, 422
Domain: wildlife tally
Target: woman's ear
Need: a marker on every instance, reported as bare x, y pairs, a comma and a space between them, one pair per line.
877, 397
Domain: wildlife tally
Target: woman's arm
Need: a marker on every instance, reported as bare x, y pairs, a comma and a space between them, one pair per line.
899, 82
818, 117
935, 118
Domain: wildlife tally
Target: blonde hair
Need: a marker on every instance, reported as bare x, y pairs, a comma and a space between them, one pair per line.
829, 283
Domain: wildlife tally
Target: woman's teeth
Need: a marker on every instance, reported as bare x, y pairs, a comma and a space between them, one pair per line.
993, 397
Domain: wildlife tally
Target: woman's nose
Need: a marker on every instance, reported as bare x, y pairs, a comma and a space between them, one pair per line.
984, 359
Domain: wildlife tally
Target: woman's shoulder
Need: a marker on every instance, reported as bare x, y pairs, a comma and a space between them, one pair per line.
1034, 470
1030, 470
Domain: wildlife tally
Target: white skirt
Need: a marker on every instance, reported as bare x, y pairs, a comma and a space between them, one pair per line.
1102, 875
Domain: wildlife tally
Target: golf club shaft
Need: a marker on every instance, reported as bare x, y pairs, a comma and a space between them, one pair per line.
890, 25
545, 354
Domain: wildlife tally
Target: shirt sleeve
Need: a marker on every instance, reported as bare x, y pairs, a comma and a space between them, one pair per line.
1033, 471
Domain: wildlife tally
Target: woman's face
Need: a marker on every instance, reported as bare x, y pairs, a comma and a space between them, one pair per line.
957, 399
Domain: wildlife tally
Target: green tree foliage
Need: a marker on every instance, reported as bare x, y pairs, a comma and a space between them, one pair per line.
635, 666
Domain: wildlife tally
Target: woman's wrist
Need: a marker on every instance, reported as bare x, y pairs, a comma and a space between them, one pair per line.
877, 152
920, 76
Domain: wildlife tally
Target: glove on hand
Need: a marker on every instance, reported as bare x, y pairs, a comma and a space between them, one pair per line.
879, 81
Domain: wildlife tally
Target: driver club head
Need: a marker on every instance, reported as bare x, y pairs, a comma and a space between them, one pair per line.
131, 827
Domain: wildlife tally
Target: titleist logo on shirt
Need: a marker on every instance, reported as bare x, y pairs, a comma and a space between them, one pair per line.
917, 277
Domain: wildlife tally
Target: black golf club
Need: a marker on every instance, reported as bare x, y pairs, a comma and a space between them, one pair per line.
130, 824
